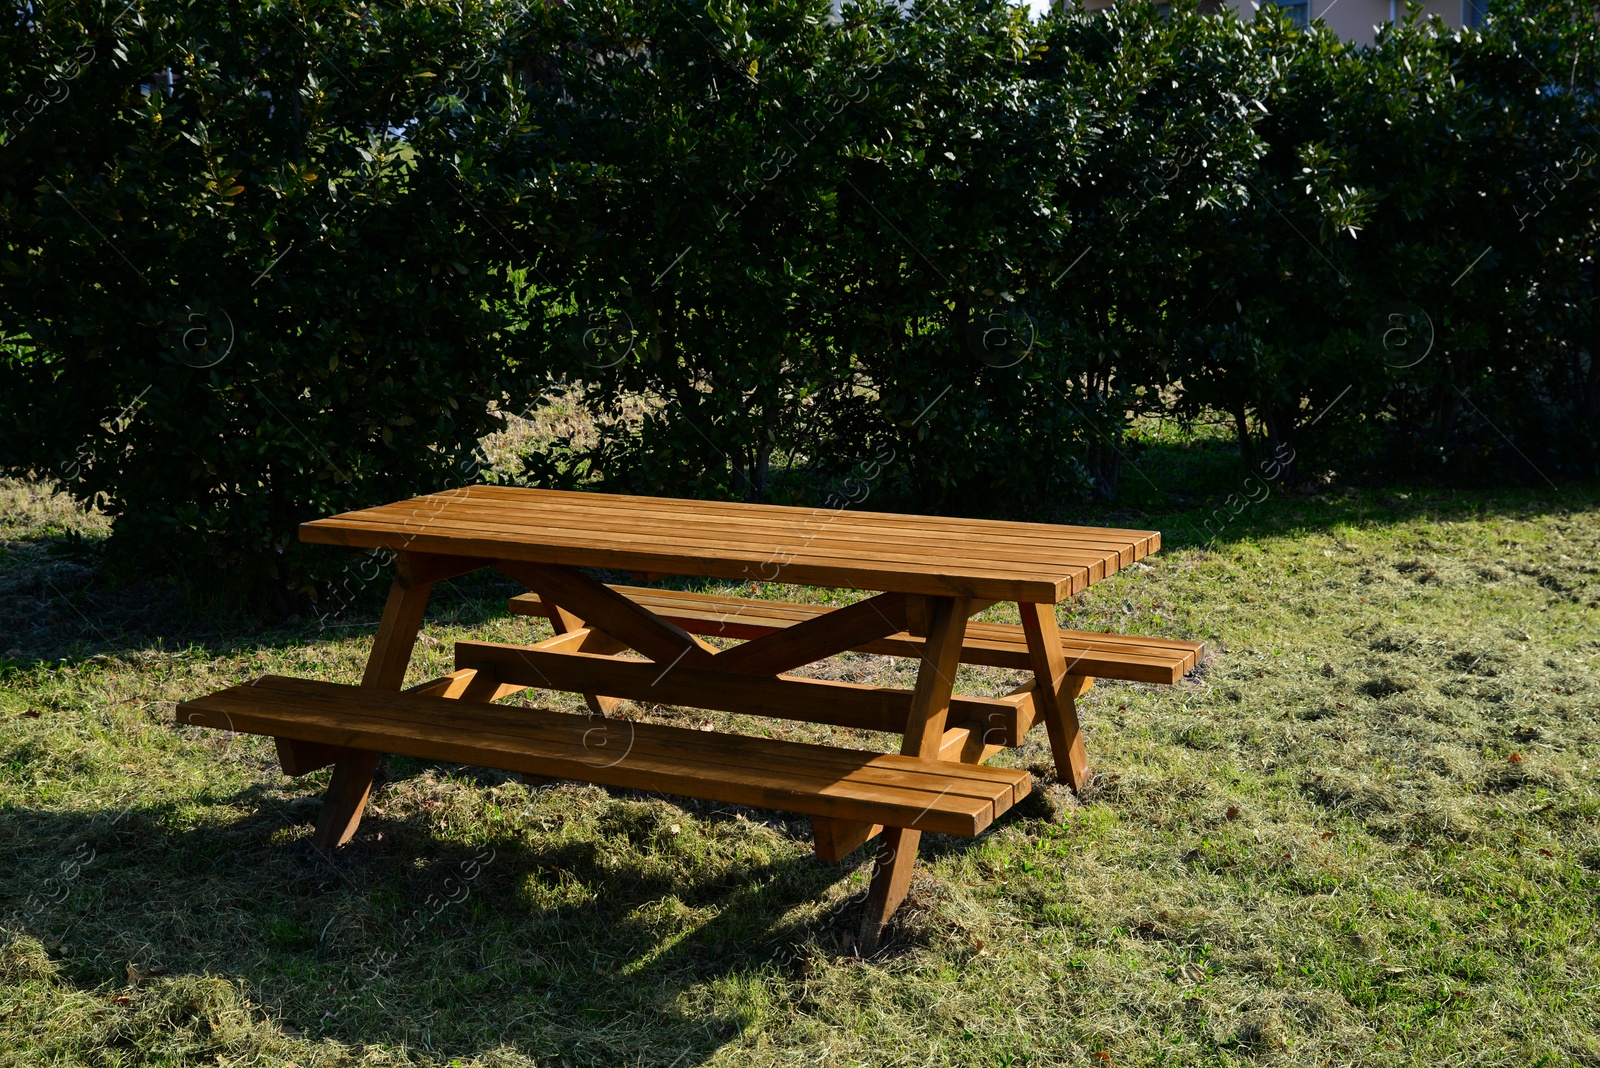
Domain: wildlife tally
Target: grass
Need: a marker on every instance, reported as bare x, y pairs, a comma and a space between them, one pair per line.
1365, 832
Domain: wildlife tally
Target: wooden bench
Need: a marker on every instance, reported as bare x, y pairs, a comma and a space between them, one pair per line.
1127, 658
926, 576
814, 780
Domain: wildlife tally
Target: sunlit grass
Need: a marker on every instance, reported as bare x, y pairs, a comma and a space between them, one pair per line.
1366, 832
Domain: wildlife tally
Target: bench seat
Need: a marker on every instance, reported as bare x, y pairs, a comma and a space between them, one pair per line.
814, 780
1128, 658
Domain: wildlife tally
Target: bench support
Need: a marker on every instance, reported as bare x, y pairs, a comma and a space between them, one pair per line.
565, 622
302, 758
1055, 692
346, 798
924, 737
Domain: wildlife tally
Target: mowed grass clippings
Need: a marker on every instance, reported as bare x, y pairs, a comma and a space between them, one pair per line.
1364, 833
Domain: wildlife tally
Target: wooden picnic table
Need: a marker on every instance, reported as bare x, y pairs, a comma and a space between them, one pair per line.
927, 576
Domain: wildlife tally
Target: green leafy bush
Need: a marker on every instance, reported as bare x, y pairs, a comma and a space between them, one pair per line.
263, 262
242, 284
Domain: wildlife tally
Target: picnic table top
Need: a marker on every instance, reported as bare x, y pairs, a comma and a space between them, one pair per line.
980, 558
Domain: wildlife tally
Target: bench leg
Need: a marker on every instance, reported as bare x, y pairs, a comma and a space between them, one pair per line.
1054, 692
891, 878
346, 799
924, 737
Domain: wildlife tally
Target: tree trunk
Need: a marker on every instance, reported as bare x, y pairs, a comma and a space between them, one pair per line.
1241, 427
1281, 425
1591, 388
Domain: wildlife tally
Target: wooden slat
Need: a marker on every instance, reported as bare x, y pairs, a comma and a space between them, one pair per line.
909, 554
766, 523
721, 563
833, 540
847, 794
740, 756
617, 510
685, 554
818, 638
843, 704
1128, 658
819, 780
1016, 562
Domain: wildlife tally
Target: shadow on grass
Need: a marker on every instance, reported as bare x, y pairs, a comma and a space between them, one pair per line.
635, 941
64, 611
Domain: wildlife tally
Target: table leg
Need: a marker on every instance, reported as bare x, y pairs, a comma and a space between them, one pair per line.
1054, 690
930, 702
346, 799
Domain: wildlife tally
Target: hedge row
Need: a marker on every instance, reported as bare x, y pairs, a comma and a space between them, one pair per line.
264, 261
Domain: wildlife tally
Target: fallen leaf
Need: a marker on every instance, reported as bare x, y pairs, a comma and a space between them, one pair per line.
1547, 853
1103, 1056
122, 1000
1233, 812
1516, 758
1326, 835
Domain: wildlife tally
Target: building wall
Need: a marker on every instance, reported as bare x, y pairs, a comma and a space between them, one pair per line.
1354, 20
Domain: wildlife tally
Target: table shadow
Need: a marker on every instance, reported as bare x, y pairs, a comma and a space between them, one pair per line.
624, 944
